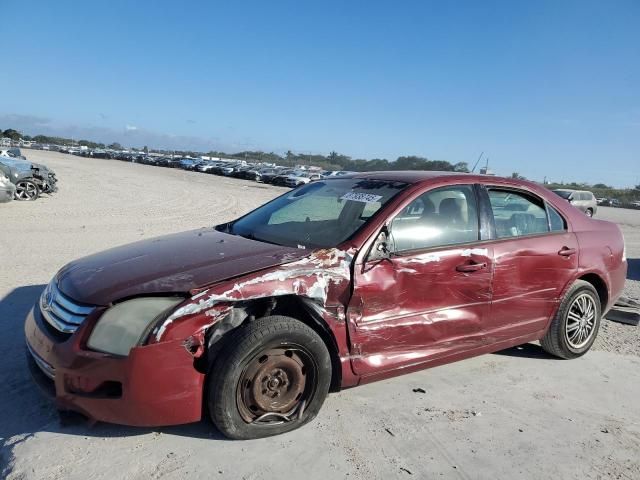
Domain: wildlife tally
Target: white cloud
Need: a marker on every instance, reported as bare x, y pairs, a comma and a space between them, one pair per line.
130, 136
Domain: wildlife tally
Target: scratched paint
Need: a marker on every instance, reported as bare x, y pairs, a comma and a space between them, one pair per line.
309, 277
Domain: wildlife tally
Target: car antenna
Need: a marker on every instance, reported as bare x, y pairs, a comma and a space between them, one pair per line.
477, 162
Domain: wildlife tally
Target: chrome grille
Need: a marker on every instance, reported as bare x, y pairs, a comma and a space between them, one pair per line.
60, 311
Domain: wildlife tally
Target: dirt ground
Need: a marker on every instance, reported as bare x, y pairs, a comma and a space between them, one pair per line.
515, 414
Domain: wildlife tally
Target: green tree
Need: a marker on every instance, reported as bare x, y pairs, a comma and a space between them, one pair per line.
461, 167
12, 134
115, 146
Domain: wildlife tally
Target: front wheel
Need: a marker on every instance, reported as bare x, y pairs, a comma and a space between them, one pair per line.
27, 190
575, 325
589, 212
272, 377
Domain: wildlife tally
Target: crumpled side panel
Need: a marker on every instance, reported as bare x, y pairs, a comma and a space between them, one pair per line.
323, 277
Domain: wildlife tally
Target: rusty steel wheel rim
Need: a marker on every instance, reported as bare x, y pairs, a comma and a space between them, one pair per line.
276, 385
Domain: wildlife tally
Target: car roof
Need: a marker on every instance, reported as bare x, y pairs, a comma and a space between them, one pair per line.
420, 176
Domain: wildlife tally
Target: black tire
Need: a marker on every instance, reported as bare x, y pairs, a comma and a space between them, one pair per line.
557, 341
26, 190
247, 346
589, 212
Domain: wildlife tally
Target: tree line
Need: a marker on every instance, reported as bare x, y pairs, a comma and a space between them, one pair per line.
335, 161
332, 161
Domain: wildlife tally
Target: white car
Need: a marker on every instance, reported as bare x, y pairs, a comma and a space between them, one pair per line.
7, 189
303, 178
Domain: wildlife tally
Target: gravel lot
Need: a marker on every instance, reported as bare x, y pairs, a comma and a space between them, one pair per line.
518, 413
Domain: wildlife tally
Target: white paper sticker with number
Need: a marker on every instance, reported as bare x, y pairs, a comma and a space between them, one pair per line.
361, 197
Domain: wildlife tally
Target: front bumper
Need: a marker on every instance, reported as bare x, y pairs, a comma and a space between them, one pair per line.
154, 385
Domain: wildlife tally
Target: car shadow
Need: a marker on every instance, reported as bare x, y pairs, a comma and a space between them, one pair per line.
528, 350
27, 411
633, 269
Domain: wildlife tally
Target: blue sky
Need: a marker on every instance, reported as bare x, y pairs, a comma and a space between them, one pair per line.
546, 88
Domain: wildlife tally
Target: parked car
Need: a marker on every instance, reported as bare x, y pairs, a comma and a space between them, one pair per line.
207, 166
99, 153
30, 179
7, 189
582, 200
227, 170
301, 178
12, 152
281, 178
188, 163
261, 174
240, 171
338, 283
167, 162
268, 174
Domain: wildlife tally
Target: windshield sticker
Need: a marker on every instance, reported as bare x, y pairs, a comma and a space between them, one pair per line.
361, 197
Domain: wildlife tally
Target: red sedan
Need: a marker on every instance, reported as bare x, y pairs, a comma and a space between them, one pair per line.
337, 283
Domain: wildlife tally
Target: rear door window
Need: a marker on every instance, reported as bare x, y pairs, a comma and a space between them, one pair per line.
517, 214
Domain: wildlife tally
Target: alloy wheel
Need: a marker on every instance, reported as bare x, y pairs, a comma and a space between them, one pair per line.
581, 321
26, 190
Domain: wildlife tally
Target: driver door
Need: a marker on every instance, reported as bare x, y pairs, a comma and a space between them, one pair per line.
430, 297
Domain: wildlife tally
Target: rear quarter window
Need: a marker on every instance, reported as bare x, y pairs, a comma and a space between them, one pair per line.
556, 221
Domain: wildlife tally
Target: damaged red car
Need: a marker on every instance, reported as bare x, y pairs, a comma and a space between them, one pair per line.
334, 284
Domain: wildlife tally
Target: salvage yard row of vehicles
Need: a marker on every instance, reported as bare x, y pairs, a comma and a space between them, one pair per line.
21, 179
259, 172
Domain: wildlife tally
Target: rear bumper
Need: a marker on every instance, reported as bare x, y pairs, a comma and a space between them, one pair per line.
155, 385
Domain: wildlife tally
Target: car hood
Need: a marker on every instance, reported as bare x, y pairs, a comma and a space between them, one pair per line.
19, 165
176, 263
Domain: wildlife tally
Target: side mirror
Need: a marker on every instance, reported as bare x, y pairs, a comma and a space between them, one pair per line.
380, 249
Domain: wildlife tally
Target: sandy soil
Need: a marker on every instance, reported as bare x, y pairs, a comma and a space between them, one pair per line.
515, 414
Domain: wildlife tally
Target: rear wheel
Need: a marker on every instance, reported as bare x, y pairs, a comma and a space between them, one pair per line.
589, 212
575, 326
27, 190
272, 377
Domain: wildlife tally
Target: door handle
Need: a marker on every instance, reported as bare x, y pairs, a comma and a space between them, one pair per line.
471, 267
567, 252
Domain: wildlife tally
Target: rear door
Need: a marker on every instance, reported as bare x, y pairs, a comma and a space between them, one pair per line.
535, 256
429, 299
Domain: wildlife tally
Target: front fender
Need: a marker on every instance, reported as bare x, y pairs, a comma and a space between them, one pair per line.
323, 277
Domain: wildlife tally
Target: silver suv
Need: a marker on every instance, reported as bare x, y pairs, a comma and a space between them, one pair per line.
581, 199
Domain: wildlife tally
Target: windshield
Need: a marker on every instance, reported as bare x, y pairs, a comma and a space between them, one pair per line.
563, 193
321, 214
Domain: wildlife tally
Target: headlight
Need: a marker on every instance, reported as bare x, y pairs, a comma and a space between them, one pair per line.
122, 326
